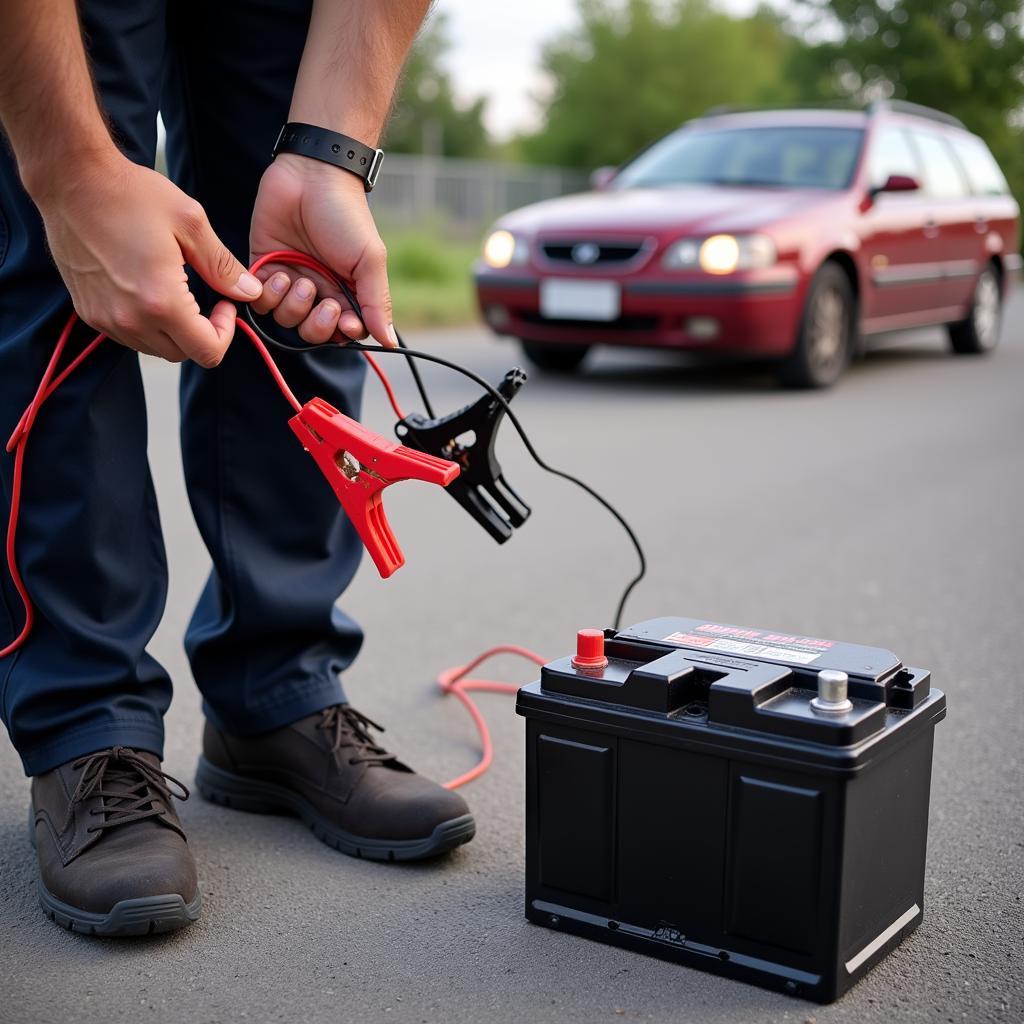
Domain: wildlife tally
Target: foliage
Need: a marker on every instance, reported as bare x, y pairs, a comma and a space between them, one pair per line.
426, 116
964, 57
636, 70
430, 276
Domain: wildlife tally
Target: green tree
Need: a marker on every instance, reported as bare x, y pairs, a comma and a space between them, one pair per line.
426, 116
634, 71
964, 57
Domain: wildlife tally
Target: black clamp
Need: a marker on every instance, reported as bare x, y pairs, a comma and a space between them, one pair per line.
467, 437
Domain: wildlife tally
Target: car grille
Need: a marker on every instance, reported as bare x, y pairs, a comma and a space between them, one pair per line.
623, 323
586, 253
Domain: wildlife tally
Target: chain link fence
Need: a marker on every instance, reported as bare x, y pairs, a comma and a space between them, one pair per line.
414, 190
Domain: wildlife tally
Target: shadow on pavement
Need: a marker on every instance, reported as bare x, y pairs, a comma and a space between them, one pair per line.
670, 372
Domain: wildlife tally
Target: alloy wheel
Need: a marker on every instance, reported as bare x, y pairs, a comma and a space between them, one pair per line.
985, 313
829, 333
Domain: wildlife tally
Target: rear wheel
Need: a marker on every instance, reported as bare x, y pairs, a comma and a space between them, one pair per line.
555, 358
825, 337
979, 332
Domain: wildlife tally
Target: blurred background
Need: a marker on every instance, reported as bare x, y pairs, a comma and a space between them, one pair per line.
499, 111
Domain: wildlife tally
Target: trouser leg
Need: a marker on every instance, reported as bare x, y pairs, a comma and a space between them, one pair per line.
266, 641
88, 542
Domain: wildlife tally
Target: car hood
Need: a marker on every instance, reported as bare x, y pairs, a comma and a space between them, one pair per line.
696, 208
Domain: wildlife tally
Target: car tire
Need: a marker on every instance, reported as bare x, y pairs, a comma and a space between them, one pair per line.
825, 337
555, 358
978, 332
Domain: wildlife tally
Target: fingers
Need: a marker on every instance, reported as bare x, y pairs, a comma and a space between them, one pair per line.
371, 281
203, 339
294, 304
275, 288
321, 324
351, 326
135, 329
222, 317
172, 326
177, 330
212, 259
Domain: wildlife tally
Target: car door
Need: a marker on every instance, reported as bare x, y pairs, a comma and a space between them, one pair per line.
897, 233
958, 247
992, 208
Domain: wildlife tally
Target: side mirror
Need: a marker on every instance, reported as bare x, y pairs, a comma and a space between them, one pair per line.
602, 178
898, 183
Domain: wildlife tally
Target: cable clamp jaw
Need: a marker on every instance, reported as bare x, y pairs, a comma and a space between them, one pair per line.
466, 437
359, 464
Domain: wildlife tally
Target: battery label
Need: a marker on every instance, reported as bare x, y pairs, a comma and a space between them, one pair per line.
754, 643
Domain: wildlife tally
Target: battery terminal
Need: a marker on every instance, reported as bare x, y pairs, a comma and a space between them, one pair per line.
589, 650
832, 687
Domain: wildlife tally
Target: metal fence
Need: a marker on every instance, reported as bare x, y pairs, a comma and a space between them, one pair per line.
417, 189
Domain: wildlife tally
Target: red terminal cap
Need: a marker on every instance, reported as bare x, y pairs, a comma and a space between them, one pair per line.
589, 649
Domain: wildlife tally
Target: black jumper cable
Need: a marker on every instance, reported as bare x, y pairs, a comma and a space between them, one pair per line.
433, 451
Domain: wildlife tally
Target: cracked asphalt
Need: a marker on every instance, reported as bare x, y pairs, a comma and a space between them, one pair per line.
887, 511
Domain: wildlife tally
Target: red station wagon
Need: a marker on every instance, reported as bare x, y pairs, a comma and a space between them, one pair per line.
788, 234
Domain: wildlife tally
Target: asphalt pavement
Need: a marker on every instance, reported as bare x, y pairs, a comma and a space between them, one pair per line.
886, 511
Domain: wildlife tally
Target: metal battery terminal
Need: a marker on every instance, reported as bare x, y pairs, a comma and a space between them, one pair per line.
832, 699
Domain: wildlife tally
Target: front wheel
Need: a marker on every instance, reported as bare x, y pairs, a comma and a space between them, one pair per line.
979, 332
825, 338
555, 358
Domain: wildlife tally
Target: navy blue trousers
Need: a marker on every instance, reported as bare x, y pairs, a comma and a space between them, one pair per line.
266, 642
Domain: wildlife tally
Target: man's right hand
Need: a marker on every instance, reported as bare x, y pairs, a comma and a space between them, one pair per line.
121, 235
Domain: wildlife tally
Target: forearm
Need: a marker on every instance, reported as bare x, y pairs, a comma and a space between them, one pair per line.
48, 104
350, 66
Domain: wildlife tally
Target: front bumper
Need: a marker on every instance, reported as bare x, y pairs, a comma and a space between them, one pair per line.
756, 313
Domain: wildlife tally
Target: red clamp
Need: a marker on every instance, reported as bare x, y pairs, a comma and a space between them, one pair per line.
359, 464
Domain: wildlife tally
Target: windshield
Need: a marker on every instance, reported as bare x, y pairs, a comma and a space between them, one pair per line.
779, 157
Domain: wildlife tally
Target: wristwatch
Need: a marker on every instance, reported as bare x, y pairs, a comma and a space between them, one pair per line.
331, 148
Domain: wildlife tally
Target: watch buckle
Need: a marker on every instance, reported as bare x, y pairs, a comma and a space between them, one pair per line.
371, 175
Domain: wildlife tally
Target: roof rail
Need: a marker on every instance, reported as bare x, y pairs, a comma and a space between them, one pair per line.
732, 108
875, 107
722, 108
916, 109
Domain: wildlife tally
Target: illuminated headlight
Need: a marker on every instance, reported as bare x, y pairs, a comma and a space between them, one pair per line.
721, 254
503, 249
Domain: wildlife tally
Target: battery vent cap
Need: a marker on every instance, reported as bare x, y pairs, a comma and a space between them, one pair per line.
589, 649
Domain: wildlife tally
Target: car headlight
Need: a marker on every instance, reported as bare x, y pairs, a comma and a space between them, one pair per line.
721, 254
503, 249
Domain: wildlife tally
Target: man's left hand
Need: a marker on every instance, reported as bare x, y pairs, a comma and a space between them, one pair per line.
320, 210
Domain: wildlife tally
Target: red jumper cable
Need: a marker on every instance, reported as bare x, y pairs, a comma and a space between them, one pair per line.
357, 463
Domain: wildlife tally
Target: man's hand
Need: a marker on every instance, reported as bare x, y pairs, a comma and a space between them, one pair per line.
120, 235
320, 210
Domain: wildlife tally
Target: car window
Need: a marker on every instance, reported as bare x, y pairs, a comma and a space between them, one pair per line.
891, 154
982, 170
794, 156
942, 176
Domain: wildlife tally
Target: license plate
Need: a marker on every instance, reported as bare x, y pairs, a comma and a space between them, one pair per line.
562, 299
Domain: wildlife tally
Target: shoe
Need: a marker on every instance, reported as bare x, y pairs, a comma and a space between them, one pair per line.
327, 770
113, 857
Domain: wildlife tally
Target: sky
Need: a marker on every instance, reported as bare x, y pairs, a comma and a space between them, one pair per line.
495, 52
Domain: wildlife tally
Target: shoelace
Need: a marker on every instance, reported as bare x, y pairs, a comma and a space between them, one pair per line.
351, 729
142, 788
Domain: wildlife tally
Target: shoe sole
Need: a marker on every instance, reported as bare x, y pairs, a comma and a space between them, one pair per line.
244, 794
143, 915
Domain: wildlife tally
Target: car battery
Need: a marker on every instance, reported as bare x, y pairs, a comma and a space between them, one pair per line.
747, 802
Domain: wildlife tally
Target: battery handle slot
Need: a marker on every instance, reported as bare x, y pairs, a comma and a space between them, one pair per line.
670, 683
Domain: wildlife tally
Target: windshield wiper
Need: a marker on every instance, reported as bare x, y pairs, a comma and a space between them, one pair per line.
747, 182
734, 182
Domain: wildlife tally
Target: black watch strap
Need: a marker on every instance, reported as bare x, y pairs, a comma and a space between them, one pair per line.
332, 148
